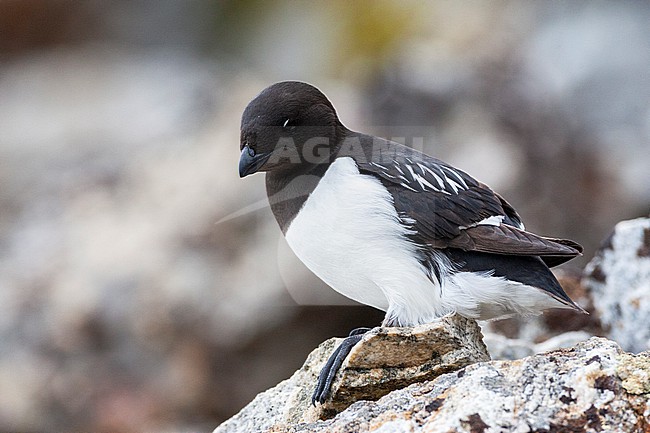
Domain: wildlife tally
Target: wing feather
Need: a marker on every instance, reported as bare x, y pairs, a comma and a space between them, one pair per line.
447, 207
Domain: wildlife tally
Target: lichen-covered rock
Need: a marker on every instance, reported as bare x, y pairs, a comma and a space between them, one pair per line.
635, 372
618, 278
591, 387
581, 389
391, 358
384, 360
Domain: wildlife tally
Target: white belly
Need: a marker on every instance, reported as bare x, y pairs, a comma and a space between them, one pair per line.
348, 233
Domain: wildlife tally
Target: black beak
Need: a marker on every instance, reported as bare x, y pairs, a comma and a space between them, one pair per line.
250, 162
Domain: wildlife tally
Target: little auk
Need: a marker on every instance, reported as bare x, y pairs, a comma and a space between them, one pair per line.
389, 226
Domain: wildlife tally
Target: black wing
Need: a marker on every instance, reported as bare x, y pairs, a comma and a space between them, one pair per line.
450, 209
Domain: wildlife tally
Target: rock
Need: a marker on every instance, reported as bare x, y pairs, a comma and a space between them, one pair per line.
384, 360
635, 373
591, 387
618, 278
392, 358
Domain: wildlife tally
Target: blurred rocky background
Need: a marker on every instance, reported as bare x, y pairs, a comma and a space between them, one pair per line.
145, 287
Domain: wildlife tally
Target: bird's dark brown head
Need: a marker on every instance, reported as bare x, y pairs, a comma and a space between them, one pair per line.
288, 123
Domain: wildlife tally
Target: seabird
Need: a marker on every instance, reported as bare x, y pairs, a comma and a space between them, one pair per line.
389, 226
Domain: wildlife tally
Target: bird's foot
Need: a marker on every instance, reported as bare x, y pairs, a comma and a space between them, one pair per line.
333, 364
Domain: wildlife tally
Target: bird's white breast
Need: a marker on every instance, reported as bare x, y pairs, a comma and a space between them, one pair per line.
349, 234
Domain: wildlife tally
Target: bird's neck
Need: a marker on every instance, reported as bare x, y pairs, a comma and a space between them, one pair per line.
288, 190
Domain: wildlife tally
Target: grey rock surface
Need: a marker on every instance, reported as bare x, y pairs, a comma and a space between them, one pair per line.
591, 387
618, 278
384, 360
391, 358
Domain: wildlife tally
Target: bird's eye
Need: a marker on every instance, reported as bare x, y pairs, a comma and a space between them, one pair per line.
286, 123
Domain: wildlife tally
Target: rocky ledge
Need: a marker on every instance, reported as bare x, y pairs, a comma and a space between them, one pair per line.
593, 386
439, 377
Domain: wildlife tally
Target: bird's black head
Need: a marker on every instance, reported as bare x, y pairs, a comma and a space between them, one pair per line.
288, 123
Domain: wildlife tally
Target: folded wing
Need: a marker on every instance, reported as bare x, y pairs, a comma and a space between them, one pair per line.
450, 209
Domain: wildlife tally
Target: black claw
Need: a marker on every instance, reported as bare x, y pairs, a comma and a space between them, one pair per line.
333, 364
